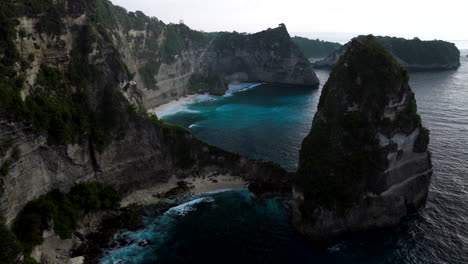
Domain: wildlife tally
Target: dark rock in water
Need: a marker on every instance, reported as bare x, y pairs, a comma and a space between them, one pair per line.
365, 164
430, 55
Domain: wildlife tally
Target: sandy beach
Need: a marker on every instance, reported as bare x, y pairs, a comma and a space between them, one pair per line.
173, 106
153, 194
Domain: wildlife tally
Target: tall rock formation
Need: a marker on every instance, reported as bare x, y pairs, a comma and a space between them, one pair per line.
413, 54
365, 164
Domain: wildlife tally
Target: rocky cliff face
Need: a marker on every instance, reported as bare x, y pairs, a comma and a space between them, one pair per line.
170, 61
269, 56
365, 164
65, 115
413, 54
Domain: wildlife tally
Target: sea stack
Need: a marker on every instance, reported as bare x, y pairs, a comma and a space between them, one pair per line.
365, 164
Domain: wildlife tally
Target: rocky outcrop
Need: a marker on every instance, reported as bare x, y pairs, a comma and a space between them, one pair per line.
415, 55
365, 164
268, 56
70, 119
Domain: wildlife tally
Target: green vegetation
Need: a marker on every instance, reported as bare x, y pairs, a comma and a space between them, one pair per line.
50, 21
203, 82
54, 108
10, 83
276, 40
416, 51
181, 142
185, 147
10, 248
63, 210
148, 73
147, 48
315, 48
341, 154
329, 174
173, 44
48, 12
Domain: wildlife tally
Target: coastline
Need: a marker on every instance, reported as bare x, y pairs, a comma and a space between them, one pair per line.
158, 193
177, 105
172, 107
96, 229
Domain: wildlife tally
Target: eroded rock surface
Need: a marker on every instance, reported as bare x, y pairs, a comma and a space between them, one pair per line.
365, 164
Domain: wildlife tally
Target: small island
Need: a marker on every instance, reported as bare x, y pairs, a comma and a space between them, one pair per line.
414, 54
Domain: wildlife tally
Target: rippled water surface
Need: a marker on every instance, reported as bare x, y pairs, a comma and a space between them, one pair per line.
269, 122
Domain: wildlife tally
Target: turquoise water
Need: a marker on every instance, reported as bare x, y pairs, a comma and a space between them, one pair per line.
264, 122
270, 122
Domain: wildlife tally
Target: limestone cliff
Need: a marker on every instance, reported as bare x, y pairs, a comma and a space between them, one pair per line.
169, 61
65, 116
413, 54
365, 164
268, 56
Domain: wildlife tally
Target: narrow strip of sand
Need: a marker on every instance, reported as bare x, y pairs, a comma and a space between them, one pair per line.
173, 106
154, 194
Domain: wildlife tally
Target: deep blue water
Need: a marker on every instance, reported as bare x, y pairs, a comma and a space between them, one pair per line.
269, 122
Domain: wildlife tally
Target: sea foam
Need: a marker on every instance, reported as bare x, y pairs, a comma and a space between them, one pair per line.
240, 87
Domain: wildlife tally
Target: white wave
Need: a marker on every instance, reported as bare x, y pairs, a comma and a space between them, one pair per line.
240, 87
336, 248
174, 109
193, 125
189, 206
204, 98
181, 105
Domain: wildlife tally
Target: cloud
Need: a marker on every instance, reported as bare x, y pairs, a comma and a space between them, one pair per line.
427, 19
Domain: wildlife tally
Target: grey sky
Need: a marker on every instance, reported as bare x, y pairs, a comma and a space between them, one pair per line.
427, 19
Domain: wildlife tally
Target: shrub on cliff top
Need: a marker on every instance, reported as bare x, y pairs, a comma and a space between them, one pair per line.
62, 210
10, 248
93, 196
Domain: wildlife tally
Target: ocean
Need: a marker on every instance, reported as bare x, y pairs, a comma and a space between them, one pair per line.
269, 122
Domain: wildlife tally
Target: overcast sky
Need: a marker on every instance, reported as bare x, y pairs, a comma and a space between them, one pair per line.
427, 19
